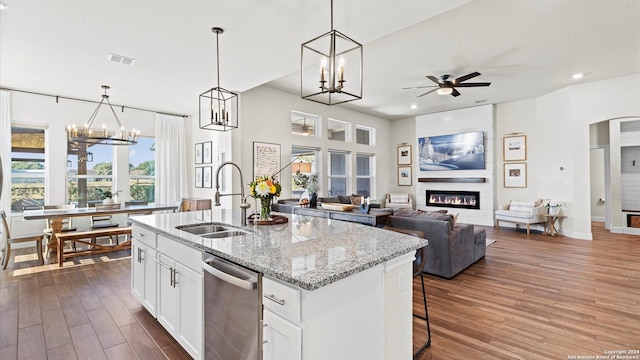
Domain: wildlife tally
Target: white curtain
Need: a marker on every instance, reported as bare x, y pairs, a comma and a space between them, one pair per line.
5, 150
171, 159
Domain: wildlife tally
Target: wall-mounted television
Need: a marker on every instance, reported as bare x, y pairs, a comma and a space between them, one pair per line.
463, 151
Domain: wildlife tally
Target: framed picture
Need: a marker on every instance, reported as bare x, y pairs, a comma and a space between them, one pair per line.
198, 177
404, 176
198, 153
206, 177
515, 148
206, 152
404, 155
515, 175
266, 159
461, 151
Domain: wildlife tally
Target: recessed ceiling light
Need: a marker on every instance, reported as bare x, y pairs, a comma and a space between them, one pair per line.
121, 59
414, 106
577, 76
3, 6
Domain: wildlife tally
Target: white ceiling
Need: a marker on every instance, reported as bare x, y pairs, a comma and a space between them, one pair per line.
524, 47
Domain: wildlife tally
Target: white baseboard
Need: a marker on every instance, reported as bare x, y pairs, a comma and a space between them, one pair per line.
598, 219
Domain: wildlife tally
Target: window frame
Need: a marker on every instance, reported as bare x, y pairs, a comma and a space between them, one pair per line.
347, 130
331, 176
43, 175
317, 123
372, 134
370, 176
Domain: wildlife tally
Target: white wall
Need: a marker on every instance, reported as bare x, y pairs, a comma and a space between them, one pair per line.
479, 118
403, 131
266, 117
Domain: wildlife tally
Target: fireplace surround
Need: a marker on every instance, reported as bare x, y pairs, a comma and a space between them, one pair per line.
453, 199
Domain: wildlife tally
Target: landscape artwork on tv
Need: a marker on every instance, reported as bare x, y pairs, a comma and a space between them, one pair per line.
452, 152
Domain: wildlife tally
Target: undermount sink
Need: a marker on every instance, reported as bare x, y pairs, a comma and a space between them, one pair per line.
212, 230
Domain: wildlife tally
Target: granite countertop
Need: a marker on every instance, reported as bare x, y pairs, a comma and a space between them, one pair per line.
308, 252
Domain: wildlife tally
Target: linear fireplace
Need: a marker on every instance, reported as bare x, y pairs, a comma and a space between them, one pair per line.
454, 199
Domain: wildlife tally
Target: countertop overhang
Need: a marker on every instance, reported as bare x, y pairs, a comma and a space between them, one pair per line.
308, 252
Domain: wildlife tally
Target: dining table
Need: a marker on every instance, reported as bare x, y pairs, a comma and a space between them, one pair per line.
57, 215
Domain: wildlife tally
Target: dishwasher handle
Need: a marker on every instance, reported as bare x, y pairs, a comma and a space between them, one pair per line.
230, 273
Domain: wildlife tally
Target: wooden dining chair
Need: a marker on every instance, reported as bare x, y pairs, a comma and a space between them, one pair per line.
104, 221
67, 226
19, 239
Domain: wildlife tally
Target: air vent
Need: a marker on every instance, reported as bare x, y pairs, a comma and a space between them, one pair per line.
121, 59
481, 101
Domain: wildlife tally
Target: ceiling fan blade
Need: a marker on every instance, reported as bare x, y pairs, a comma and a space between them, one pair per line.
434, 79
419, 87
455, 93
466, 77
429, 92
473, 84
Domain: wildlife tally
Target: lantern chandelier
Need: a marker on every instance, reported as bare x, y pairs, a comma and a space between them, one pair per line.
90, 136
218, 106
339, 59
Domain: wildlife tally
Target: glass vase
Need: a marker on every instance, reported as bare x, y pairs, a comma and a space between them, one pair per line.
265, 209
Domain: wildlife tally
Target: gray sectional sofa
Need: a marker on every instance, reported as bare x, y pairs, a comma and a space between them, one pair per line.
452, 247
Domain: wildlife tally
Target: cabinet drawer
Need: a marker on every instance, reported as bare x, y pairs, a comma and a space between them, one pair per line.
282, 299
180, 252
144, 235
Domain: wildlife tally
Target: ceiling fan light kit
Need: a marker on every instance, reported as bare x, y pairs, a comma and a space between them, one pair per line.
331, 68
218, 108
88, 135
444, 86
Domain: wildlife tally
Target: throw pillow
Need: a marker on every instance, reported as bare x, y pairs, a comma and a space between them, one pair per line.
344, 199
398, 198
356, 200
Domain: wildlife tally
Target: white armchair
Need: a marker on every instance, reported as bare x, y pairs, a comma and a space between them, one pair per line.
521, 212
399, 201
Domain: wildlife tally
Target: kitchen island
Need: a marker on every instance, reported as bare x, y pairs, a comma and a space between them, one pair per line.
348, 286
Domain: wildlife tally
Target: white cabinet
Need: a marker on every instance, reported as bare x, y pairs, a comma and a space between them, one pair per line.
143, 274
282, 340
166, 277
180, 292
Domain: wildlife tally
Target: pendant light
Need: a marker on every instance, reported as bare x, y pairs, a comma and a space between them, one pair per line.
218, 106
331, 68
90, 136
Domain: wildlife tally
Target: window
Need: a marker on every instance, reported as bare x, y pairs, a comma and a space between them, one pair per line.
27, 168
338, 130
89, 173
337, 173
364, 175
365, 135
304, 124
304, 160
142, 170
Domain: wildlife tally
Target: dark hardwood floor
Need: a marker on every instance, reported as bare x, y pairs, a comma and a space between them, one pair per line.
532, 297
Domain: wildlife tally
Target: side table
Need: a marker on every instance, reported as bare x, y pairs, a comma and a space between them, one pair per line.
550, 225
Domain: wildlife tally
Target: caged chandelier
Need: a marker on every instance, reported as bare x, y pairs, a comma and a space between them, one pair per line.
218, 106
90, 136
339, 59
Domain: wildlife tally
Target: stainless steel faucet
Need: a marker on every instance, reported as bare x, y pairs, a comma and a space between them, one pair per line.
244, 205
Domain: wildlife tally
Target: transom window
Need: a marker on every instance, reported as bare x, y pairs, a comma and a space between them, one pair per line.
305, 124
365, 135
338, 130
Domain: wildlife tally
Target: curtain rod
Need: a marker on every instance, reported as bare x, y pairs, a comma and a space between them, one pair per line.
90, 101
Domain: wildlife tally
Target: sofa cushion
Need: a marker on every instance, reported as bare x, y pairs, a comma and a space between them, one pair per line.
521, 205
398, 198
344, 199
331, 200
416, 213
516, 214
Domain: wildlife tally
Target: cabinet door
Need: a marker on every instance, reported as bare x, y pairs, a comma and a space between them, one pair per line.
167, 294
282, 340
143, 275
190, 316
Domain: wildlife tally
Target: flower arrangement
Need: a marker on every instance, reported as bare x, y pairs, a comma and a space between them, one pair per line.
553, 206
265, 189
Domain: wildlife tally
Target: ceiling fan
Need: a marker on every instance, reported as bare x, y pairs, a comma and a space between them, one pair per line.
448, 87
304, 129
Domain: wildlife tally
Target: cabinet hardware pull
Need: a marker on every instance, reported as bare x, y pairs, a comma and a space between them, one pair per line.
173, 274
273, 298
175, 278
140, 235
140, 255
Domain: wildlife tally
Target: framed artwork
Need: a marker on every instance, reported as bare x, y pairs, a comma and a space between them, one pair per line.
206, 177
206, 152
198, 153
198, 177
404, 155
462, 151
515, 148
404, 176
266, 159
515, 175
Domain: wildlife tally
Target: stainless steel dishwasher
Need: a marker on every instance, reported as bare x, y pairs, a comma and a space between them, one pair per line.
232, 311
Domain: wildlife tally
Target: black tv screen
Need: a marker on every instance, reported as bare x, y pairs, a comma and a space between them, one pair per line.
463, 151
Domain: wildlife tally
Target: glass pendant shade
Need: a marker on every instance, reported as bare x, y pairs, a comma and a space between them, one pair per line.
331, 68
218, 108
